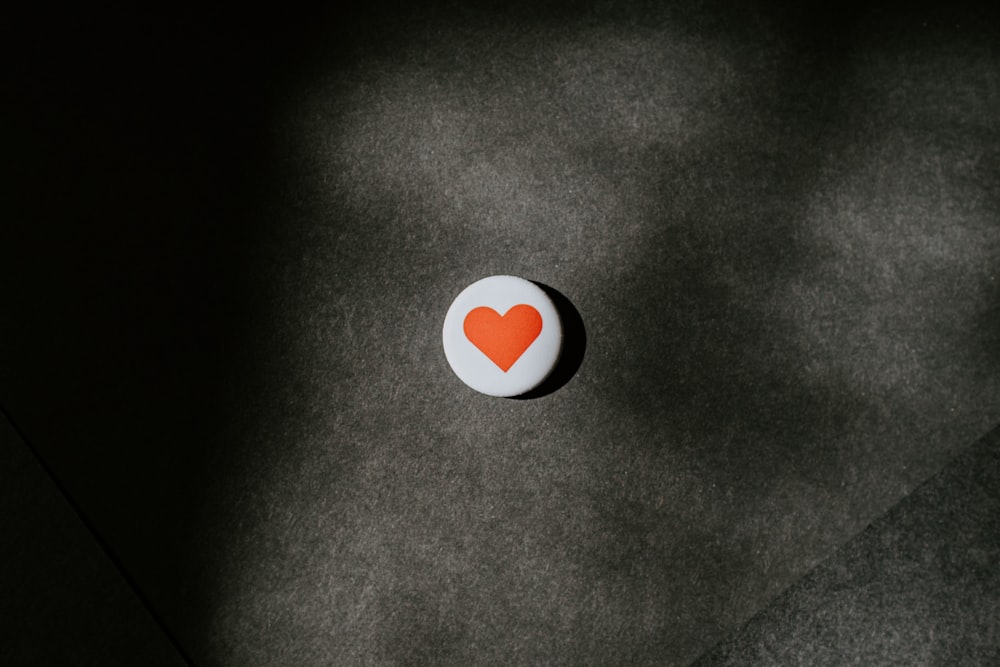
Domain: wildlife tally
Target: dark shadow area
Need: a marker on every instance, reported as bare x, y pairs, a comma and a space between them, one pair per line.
134, 286
574, 346
64, 601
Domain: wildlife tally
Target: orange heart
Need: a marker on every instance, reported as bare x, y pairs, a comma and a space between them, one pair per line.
503, 338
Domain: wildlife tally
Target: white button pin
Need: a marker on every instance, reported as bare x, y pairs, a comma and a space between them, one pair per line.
502, 336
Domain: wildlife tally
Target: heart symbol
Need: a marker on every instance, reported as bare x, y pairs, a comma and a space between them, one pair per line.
503, 338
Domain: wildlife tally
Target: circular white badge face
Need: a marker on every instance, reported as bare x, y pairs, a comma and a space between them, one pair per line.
502, 336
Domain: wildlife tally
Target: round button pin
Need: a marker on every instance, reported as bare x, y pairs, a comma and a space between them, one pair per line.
502, 336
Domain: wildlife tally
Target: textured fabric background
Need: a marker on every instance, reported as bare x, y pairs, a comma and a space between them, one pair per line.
918, 587
235, 237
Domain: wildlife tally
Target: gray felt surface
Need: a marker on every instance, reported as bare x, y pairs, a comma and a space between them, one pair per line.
918, 587
236, 237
